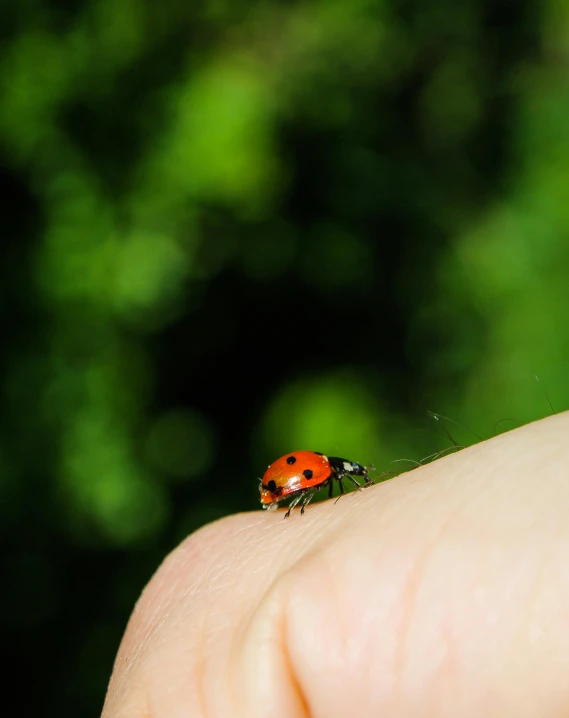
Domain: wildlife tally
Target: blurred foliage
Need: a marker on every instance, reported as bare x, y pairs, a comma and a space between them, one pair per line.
232, 230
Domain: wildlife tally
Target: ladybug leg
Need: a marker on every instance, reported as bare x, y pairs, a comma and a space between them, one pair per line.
293, 503
341, 484
345, 475
354, 481
378, 478
306, 500
368, 481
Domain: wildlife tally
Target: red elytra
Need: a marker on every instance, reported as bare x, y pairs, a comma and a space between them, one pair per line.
300, 474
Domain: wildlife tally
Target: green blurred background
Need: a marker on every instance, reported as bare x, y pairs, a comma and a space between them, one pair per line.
231, 230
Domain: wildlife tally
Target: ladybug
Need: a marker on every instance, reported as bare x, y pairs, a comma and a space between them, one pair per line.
303, 473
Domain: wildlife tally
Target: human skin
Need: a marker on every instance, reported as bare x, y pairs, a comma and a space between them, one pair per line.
442, 592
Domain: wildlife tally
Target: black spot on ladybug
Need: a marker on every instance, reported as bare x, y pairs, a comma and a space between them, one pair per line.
291, 460
307, 473
272, 485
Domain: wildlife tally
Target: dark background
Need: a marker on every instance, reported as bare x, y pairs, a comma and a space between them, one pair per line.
231, 230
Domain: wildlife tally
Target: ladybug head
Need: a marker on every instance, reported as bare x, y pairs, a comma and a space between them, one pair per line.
269, 493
